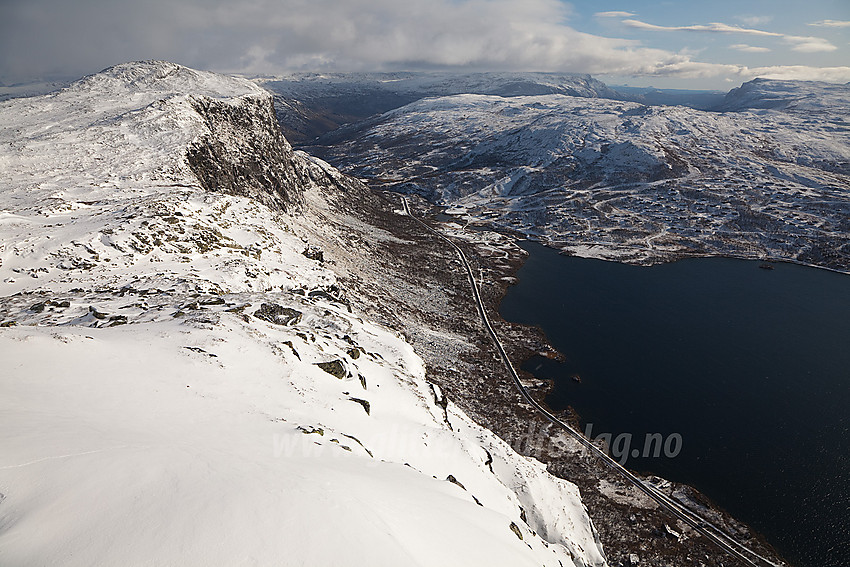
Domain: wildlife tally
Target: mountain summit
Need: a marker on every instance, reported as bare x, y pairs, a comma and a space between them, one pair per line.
196, 363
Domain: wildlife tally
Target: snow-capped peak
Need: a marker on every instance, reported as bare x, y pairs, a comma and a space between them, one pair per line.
158, 77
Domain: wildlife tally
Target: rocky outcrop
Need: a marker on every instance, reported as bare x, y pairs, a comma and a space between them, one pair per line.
245, 153
279, 315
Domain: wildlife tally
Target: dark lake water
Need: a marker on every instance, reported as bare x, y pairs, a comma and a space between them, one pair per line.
750, 366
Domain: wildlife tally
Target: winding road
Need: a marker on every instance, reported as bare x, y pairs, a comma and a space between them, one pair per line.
676, 509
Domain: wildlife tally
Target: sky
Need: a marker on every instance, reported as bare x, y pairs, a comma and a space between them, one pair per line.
698, 45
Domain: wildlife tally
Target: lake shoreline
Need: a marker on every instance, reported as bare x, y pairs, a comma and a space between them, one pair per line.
559, 384
626, 523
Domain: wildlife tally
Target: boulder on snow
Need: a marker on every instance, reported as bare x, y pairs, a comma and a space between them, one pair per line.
277, 314
334, 368
314, 253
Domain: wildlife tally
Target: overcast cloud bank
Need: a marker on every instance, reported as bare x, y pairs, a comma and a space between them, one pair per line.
44, 37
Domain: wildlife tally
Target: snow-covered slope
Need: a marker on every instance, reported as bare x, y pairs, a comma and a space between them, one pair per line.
790, 96
126, 130
184, 379
305, 86
310, 104
34, 88
621, 180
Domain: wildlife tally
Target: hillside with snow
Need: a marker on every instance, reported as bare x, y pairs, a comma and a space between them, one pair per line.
810, 97
768, 177
311, 104
190, 374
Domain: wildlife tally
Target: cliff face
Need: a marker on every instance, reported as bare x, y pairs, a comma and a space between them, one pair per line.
243, 152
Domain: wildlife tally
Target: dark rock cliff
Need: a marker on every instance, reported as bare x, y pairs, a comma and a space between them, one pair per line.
245, 153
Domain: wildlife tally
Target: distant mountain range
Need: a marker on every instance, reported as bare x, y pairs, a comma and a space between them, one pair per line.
311, 104
766, 174
790, 96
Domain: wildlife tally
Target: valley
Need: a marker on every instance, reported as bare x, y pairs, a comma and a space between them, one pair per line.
185, 296
765, 176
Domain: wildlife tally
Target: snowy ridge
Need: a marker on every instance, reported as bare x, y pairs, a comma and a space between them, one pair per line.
152, 78
790, 96
185, 379
126, 131
34, 88
304, 86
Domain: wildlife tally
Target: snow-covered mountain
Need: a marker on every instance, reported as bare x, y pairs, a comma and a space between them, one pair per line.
190, 375
307, 86
789, 96
311, 104
33, 88
625, 181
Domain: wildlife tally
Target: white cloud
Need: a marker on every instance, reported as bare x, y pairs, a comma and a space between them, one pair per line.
755, 20
274, 36
697, 70
268, 36
714, 27
614, 14
831, 23
803, 44
798, 73
749, 48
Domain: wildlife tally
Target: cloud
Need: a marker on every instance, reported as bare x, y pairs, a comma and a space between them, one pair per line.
698, 70
798, 73
803, 44
42, 37
714, 27
272, 36
831, 23
613, 14
749, 48
755, 20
